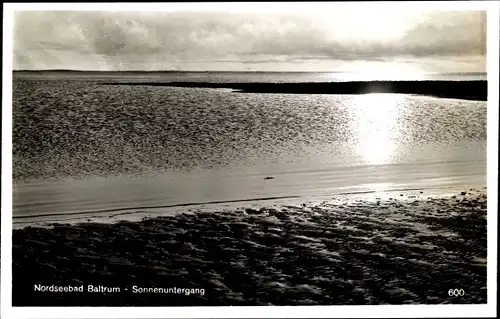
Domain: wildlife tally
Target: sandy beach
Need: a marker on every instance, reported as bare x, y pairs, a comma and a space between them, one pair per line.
410, 248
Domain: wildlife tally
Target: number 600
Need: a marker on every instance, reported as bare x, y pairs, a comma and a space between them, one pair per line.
456, 292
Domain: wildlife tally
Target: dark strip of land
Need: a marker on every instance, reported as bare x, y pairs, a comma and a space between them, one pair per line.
468, 90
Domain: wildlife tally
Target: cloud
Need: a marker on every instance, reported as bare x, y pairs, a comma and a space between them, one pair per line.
146, 40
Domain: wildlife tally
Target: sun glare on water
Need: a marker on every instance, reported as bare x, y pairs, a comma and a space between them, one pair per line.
376, 124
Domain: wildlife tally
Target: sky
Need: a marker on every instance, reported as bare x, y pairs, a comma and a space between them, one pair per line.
325, 40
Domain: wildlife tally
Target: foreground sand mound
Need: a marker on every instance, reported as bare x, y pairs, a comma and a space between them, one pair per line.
390, 251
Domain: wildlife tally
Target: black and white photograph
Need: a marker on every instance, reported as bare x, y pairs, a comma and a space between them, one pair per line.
322, 154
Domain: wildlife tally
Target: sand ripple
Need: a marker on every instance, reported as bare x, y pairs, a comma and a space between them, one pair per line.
329, 253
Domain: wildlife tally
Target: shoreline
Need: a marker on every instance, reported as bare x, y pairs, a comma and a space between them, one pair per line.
467, 90
405, 249
137, 213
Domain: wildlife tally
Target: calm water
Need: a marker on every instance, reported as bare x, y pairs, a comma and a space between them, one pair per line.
80, 146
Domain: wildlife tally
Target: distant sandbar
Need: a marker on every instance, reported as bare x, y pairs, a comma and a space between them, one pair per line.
468, 90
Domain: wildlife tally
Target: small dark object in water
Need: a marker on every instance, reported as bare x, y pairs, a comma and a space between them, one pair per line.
269, 177
401, 195
421, 192
463, 193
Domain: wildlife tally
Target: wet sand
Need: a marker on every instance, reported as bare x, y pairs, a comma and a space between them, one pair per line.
410, 249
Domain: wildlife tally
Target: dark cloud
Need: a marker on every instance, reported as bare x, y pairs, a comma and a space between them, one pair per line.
62, 39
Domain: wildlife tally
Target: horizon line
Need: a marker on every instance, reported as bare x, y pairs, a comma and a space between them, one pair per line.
215, 71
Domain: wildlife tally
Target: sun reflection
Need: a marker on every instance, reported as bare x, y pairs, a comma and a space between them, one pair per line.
376, 127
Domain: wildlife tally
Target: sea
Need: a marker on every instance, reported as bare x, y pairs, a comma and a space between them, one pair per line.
85, 149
